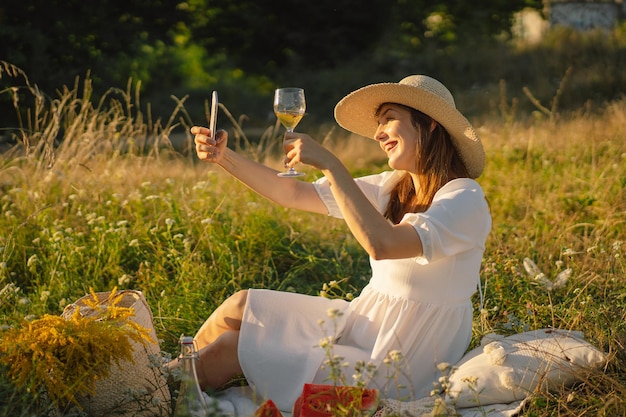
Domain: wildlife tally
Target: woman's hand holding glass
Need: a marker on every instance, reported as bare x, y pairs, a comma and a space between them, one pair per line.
302, 148
209, 147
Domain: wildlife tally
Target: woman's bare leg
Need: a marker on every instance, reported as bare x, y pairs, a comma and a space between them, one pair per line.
218, 361
225, 318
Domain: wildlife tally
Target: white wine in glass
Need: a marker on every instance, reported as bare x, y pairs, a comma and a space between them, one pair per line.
289, 107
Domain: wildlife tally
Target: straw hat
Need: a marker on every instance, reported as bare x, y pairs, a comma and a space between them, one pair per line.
355, 112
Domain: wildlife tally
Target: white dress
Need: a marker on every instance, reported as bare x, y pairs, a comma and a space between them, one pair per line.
419, 306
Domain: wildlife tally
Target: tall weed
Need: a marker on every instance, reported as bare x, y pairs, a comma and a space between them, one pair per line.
96, 196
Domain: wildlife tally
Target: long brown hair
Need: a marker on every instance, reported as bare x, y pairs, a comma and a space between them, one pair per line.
438, 162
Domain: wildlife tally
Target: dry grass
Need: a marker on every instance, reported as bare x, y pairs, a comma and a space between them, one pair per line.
95, 195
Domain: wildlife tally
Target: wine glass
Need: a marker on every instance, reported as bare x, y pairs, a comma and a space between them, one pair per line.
289, 107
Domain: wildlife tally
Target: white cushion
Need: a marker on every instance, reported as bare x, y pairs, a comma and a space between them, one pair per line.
506, 369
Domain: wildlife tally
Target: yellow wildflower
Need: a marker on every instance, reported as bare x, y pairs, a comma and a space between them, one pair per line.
67, 356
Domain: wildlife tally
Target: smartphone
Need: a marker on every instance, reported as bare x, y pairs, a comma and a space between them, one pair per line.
213, 116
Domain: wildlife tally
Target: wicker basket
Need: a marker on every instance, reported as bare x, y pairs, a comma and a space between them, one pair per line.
133, 388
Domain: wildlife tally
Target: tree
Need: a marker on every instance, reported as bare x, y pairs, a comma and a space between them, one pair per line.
185, 45
453, 22
265, 35
54, 41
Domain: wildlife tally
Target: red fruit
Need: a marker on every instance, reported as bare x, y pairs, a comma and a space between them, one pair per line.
268, 409
329, 401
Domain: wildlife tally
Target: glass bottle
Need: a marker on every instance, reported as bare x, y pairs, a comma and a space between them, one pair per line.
190, 401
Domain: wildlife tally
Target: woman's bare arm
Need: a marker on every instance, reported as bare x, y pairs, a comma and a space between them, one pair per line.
379, 238
287, 192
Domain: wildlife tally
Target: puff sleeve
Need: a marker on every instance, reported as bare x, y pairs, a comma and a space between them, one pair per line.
457, 221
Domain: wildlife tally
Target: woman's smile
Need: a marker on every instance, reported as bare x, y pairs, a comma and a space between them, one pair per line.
388, 146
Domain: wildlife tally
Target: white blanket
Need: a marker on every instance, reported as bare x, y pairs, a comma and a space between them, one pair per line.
504, 370
240, 402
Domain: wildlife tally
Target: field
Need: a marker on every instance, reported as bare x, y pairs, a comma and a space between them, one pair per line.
113, 204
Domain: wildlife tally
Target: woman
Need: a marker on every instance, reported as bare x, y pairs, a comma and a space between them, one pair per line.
423, 223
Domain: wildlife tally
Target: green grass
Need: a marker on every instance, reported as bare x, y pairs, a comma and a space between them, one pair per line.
113, 204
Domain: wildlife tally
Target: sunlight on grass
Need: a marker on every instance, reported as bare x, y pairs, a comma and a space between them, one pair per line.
95, 196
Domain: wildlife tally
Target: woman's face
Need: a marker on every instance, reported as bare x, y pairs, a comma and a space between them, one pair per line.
397, 136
